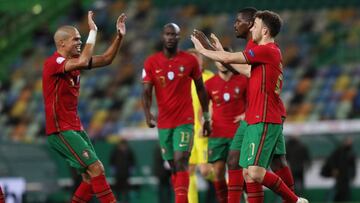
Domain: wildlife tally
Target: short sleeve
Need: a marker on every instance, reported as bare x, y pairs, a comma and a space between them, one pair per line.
56, 65
259, 54
146, 73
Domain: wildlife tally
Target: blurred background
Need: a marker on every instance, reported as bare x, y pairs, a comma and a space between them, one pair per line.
320, 41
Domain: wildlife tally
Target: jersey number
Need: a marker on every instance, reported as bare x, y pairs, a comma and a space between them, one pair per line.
252, 147
185, 137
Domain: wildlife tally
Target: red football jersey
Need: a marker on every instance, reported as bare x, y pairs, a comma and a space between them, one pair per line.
228, 101
250, 44
265, 84
60, 92
172, 81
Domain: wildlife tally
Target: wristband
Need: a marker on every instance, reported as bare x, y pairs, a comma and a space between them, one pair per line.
206, 116
92, 37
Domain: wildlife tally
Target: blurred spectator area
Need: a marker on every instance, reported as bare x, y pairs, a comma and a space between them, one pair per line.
320, 44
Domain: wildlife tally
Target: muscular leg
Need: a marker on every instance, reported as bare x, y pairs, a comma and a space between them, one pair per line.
99, 184
220, 182
84, 192
272, 181
280, 167
181, 162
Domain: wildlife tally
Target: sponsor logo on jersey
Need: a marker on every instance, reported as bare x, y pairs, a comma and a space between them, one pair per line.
251, 52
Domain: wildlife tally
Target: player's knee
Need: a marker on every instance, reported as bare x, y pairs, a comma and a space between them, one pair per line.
233, 161
219, 174
278, 162
181, 162
256, 174
95, 169
85, 177
205, 170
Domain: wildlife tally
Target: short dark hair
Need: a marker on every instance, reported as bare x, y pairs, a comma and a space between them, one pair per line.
248, 13
271, 20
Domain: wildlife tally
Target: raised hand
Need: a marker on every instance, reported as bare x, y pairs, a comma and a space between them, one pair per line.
120, 24
92, 25
203, 39
198, 46
216, 42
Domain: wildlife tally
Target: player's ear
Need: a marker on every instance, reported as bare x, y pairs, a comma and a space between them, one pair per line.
62, 43
250, 24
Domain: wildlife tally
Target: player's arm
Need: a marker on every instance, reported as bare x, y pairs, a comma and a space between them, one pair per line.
108, 56
215, 45
220, 56
204, 101
85, 56
146, 103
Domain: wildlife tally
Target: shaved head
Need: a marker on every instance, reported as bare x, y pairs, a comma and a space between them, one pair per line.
174, 26
68, 41
63, 33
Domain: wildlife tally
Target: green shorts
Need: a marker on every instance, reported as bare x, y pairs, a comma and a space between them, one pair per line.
260, 142
239, 136
176, 139
75, 147
218, 149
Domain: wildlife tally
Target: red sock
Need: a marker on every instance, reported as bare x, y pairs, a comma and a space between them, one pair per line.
273, 182
235, 186
286, 175
255, 192
221, 191
173, 179
2, 197
102, 189
83, 193
181, 187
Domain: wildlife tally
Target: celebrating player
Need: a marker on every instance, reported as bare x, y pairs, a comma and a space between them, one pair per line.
264, 113
61, 84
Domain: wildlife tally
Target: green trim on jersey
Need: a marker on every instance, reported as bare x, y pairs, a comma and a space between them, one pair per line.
175, 139
75, 147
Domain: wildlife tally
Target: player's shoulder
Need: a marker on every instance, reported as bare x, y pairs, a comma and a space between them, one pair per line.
212, 79
250, 44
185, 54
54, 59
240, 79
153, 56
